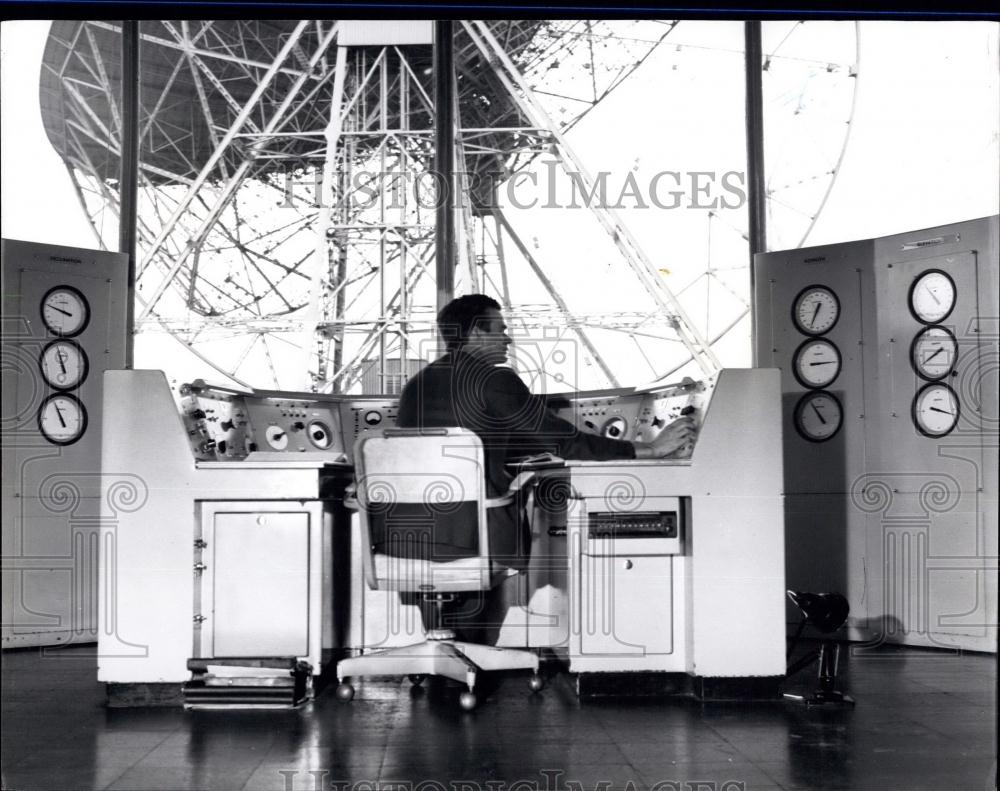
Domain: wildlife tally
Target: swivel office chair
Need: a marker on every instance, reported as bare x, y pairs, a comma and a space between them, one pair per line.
421, 499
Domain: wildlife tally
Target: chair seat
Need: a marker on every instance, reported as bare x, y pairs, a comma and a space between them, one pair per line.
424, 576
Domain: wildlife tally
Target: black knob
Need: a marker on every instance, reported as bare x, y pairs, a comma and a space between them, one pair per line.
226, 425
198, 414
658, 421
298, 425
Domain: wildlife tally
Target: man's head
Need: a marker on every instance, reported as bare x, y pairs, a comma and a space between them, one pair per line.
474, 324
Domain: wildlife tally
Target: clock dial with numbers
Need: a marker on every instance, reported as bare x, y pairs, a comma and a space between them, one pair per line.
62, 419
815, 310
65, 311
64, 364
932, 296
935, 410
818, 416
816, 363
934, 352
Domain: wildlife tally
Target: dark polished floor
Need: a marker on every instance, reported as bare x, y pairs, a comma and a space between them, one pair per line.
923, 720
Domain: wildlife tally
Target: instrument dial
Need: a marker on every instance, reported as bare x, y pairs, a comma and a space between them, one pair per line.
817, 363
815, 310
935, 410
64, 364
320, 435
818, 416
62, 419
65, 311
276, 437
934, 352
932, 296
615, 428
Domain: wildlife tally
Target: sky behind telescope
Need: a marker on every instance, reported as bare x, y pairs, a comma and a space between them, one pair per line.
923, 151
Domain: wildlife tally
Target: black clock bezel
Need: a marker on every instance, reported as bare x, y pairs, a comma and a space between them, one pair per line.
916, 399
83, 419
86, 311
795, 362
913, 353
913, 287
83, 357
800, 406
795, 312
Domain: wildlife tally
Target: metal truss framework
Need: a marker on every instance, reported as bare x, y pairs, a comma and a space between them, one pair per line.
287, 186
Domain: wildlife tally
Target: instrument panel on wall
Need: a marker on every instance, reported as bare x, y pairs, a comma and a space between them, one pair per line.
933, 353
65, 312
912, 410
816, 363
64, 326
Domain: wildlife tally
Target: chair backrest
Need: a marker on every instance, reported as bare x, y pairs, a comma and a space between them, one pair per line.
422, 507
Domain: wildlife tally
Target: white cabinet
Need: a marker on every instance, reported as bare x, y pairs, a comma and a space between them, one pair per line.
259, 582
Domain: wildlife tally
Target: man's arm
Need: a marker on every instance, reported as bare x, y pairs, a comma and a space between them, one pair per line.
528, 419
530, 423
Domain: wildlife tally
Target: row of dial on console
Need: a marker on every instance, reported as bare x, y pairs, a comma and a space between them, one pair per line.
817, 361
931, 300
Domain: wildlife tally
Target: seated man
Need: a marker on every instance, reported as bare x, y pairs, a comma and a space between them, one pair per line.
470, 387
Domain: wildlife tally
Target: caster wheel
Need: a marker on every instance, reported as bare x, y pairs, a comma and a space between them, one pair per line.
536, 682
345, 692
467, 700
417, 678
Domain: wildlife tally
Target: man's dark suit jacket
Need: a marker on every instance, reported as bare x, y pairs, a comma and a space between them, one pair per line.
458, 389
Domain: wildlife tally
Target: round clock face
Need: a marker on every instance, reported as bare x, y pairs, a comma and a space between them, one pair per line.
816, 363
64, 364
932, 296
62, 419
934, 352
815, 310
935, 410
65, 311
818, 416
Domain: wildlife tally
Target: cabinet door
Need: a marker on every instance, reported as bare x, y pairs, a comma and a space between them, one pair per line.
626, 605
256, 583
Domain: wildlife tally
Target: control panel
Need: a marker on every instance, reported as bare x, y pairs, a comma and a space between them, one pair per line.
360, 415
634, 415
229, 424
225, 424
217, 422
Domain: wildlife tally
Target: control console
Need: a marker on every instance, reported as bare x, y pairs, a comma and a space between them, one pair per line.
230, 424
634, 415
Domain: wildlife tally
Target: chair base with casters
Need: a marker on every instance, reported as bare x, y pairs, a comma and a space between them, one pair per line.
422, 507
439, 655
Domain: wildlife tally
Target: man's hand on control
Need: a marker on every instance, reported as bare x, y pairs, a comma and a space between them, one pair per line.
673, 438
